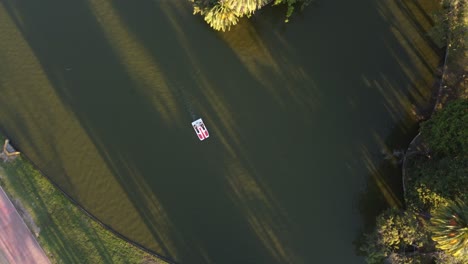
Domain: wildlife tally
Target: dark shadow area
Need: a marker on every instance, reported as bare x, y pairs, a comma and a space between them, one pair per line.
384, 186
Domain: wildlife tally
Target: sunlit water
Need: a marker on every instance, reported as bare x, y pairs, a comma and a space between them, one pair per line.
100, 94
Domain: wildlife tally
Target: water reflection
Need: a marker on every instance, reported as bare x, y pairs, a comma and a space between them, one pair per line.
270, 60
266, 219
136, 59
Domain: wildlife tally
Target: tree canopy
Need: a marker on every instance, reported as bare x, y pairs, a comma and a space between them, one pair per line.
434, 227
397, 234
222, 14
446, 133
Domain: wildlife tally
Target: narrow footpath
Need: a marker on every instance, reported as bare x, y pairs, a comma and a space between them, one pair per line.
17, 244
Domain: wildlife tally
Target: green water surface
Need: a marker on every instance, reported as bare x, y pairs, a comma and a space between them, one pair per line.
100, 95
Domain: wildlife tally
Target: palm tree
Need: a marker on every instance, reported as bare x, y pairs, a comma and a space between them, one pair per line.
226, 13
449, 227
221, 17
246, 7
222, 14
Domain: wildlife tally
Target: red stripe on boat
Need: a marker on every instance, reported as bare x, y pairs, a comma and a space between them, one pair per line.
200, 136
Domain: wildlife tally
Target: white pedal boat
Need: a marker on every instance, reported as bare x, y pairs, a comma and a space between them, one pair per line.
200, 129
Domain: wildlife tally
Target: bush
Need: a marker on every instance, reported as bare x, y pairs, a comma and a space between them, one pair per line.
446, 133
395, 233
221, 15
435, 181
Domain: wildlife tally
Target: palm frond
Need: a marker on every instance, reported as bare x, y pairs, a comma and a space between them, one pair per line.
245, 7
221, 17
449, 227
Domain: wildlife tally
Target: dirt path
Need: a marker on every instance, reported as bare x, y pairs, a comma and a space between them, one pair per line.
17, 244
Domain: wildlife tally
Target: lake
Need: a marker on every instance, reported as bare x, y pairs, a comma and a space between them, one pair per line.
303, 118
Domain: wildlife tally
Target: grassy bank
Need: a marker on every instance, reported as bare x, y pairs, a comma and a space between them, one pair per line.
66, 233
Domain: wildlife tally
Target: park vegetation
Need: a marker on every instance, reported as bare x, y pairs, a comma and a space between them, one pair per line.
222, 14
434, 226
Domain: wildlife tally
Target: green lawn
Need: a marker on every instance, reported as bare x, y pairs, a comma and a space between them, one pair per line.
67, 234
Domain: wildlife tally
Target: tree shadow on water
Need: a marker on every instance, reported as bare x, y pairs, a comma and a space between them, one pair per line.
384, 187
85, 86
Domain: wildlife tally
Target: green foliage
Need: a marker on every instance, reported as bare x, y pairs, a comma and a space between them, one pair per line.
246, 7
222, 14
456, 23
436, 180
221, 17
449, 227
395, 231
446, 133
449, 24
424, 199
374, 253
399, 229
445, 175
290, 4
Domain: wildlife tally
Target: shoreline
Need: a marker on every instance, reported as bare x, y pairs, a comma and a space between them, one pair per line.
446, 91
43, 204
